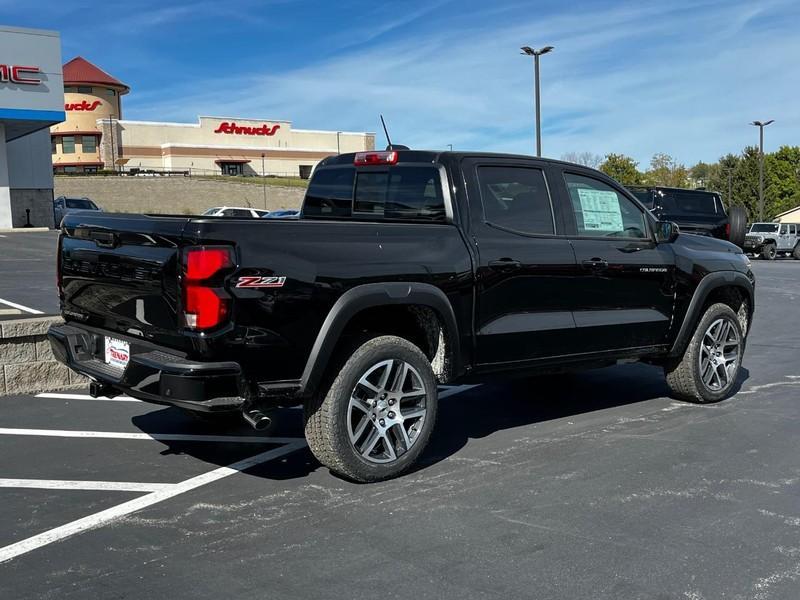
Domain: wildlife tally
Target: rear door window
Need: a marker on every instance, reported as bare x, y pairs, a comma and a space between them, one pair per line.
516, 198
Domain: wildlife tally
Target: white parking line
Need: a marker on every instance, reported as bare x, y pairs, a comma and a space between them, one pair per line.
160, 437
57, 396
126, 508
63, 484
33, 311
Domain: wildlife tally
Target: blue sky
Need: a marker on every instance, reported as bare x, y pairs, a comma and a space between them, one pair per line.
679, 77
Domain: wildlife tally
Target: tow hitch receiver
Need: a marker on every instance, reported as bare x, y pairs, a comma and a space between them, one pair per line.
97, 389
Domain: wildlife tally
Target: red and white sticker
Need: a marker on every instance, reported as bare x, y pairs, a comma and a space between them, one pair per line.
118, 353
261, 282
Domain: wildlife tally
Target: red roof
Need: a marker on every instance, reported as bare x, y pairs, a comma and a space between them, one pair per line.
79, 70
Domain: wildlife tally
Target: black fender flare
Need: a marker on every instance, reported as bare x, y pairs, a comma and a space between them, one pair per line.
708, 284
371, 295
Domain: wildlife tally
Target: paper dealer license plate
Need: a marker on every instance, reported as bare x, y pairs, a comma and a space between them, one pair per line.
118, 353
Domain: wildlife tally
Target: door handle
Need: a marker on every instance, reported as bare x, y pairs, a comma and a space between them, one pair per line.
595, 263
505, 263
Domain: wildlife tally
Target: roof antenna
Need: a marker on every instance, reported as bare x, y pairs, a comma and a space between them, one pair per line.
386, 131
388, 139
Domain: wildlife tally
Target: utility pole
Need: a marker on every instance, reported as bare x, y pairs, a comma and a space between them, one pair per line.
761, 125
527, 50
338, 144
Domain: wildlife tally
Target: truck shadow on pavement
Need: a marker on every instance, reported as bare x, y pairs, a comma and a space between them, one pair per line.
472, 414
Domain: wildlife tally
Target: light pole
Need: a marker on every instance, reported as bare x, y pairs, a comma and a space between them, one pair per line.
264, 180
338, 145
536, 54
450, 146
761, 125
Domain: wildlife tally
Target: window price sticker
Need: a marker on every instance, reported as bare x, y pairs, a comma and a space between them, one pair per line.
601, 211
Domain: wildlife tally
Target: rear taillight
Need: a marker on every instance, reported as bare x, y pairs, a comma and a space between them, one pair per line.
205, 303
59, 276
728, 230
376, 158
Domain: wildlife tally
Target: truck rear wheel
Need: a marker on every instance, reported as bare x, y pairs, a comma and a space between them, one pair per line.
796, 252
708, 369
769, 251
376, 416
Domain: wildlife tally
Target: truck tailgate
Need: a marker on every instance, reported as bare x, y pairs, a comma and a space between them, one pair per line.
120, 273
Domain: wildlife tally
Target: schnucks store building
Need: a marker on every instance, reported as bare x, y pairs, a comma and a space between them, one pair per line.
96, 137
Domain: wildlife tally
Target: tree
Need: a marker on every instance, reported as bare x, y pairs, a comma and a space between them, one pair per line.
587, 159
782, 180
622, 168
720, 177
665, 170
700, 173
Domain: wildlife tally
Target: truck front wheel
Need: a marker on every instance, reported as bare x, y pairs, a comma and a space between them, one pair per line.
709, 367
769, 251
376, 416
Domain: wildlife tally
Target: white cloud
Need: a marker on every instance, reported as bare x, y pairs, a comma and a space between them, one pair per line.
648, 78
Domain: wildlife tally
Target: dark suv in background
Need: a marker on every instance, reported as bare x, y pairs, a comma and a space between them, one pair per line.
695, 211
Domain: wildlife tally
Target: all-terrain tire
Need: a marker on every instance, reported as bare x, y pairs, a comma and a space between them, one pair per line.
769, 251
796, 252
326, 415
737, 217
684, 378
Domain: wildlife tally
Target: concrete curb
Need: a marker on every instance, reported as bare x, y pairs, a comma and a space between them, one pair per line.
24, 229
26, 363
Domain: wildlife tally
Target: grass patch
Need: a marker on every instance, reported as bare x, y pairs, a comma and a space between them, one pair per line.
260, 181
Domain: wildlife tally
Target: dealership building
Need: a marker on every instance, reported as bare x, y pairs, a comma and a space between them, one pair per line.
31, 100
95, 136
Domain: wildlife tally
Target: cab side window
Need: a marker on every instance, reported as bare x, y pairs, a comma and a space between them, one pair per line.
601, 211
516, 198
784, 229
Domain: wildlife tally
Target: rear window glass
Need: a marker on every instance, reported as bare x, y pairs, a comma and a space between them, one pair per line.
80, 204
401, 193
397, 193
687, 202
330, 193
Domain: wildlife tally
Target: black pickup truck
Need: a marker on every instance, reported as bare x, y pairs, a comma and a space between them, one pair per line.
701, 212
406, 269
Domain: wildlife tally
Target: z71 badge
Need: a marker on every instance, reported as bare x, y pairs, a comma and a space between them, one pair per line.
260, 282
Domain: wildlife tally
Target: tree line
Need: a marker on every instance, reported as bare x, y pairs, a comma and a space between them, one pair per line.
734, 176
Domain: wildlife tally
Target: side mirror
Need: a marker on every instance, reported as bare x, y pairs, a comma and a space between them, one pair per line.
666, 231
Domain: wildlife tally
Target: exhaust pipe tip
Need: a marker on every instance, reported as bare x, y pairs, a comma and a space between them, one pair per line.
257, 419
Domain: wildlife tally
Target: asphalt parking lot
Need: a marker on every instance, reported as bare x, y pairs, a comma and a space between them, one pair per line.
593, 485
28, 273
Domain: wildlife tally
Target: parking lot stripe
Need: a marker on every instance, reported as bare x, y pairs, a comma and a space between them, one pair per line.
57, 396
116, 512
33, 311
62, 484
161, 437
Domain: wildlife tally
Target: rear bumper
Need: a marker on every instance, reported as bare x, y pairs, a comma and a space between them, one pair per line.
152, 374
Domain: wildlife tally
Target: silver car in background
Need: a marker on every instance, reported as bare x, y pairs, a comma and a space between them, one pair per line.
66, 204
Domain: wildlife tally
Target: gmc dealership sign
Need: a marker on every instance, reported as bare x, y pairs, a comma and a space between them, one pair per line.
233, 128
20, 74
